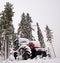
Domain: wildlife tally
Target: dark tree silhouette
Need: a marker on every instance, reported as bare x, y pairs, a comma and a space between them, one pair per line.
25, 28
40, 36
6, 17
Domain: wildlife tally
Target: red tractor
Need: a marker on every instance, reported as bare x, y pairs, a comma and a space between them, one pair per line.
30, 49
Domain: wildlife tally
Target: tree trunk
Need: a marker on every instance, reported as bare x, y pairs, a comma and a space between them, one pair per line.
6, 46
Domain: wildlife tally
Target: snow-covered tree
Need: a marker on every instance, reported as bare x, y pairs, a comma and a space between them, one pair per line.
25, 28
29, 27
6, 17
49, 36
40, 36
0, 33
22, 26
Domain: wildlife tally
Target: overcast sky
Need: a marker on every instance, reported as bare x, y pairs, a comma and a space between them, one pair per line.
45, 12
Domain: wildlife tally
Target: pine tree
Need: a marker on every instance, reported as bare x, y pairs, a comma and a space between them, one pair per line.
29, 27
49, 36
7, 25
25, 28
8, 16
1, 30
22, 26
40, 36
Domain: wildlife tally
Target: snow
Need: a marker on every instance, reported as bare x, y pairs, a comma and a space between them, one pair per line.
1, 59
26, 41
11, 58
23, 41
24, 46
35, 60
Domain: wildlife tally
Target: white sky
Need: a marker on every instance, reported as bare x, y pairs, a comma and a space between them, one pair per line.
42, 11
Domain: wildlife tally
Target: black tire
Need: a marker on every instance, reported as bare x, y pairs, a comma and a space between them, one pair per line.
25, 53
44, 54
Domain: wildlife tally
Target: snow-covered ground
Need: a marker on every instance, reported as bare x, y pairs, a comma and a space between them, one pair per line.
35, 60
11, 59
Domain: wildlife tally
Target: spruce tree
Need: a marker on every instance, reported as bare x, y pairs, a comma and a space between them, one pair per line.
29, 27
49, 36
22, 26
40, 36
8, 14
6, 17
1, 29
25, 27
7, 25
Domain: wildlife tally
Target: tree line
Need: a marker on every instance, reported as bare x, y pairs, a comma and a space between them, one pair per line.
25, 28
